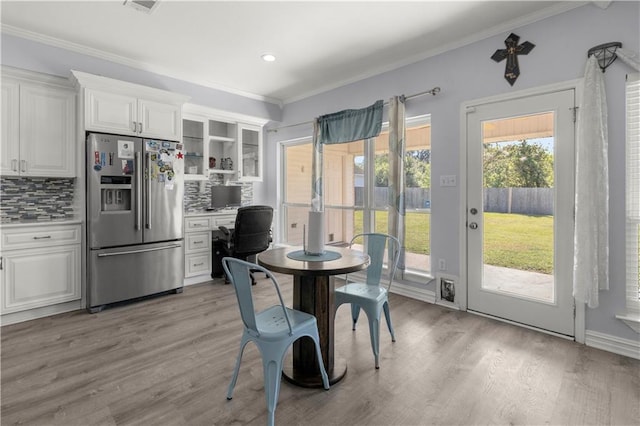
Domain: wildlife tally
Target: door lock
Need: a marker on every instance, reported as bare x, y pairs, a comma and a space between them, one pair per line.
473, 225
473, 211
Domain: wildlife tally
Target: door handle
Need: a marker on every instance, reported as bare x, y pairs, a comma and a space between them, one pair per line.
14, 165
473, 225
135, 126
23, 165
140, 125
147, 195
138, 176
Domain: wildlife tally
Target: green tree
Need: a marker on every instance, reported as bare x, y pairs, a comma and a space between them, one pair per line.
417, 168
517, 165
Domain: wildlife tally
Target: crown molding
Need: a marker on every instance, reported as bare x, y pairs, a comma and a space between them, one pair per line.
111, 57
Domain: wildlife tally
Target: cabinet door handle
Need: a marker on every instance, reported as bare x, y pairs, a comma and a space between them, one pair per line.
45, 237
134, 124
23, 165
14, 165
140, 125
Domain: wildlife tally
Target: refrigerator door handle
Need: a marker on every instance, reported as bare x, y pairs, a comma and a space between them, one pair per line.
138, 191
139, 251
147, 177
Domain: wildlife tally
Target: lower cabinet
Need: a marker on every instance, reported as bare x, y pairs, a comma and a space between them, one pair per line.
40, 266
198, 243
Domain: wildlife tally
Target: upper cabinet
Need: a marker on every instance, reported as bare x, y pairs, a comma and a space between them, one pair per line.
38, 125
221, 143
249, 152
114, 106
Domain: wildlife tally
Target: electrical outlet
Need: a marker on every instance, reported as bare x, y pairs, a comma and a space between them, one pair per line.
442, 265
448, 180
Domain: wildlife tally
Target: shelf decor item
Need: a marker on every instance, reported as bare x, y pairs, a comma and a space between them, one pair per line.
512, 69
226, 163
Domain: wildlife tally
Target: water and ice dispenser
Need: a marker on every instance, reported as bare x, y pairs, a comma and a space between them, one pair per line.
115, 193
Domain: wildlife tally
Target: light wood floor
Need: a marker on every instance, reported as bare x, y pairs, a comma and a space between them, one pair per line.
168, 360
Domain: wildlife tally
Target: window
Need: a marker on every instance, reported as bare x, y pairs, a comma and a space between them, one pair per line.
355, 199
633, 191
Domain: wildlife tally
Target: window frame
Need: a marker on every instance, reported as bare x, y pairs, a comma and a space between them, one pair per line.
368, 209
632, 205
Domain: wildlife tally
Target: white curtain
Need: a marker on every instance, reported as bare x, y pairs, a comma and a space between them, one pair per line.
591, 237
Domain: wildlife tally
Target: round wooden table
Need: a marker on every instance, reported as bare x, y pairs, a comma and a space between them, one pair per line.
313, 292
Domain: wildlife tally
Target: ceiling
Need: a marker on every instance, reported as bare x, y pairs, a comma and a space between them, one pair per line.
319, 45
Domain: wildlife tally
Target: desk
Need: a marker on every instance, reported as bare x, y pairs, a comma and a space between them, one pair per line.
313, 292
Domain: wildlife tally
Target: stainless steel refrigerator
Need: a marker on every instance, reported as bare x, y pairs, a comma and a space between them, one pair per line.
135, 189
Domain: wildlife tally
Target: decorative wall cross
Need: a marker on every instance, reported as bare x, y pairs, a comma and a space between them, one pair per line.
512, 69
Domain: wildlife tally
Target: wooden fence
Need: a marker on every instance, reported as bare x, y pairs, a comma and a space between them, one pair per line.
532, 201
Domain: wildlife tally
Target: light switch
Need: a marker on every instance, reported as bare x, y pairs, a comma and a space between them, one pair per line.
448, 180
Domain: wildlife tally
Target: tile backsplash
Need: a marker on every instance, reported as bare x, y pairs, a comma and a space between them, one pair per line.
41, 199
197, 201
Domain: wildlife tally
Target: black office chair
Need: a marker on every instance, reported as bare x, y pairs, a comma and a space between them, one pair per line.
251, 234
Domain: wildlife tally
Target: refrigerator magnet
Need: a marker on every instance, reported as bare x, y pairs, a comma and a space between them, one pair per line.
125, 149
179, 146
161, 177
127, 167
166, 144
152, 146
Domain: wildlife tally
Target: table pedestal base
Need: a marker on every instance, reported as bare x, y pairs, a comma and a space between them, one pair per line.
314, 381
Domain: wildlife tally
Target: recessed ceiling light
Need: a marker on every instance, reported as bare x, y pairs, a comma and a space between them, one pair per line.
268, 57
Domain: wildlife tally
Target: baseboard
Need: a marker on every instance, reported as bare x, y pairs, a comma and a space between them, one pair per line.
44, 311
617, 345
413, 292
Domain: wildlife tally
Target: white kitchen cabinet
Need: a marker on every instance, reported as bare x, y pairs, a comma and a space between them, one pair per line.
118, 107
232, 142
128, 115
198, 242
197, 250
249, 153
40, 266
38, 125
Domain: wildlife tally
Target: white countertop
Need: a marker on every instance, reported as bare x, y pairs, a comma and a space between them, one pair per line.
223, 212
38, 223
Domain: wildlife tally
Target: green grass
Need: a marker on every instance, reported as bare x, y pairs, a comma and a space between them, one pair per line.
511, 240
519, 241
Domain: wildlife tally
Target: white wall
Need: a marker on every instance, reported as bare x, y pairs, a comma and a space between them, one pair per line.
468, 73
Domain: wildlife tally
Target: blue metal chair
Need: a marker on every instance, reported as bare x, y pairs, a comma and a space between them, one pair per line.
371, 296
273, 330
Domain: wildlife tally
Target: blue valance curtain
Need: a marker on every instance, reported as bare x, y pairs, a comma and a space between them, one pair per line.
351, 124
340, 127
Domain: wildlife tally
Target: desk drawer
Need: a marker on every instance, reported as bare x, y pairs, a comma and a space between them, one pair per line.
228, 221
197, 264
197, 241
197, 224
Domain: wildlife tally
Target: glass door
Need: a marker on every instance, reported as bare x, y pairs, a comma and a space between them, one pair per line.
520, 162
